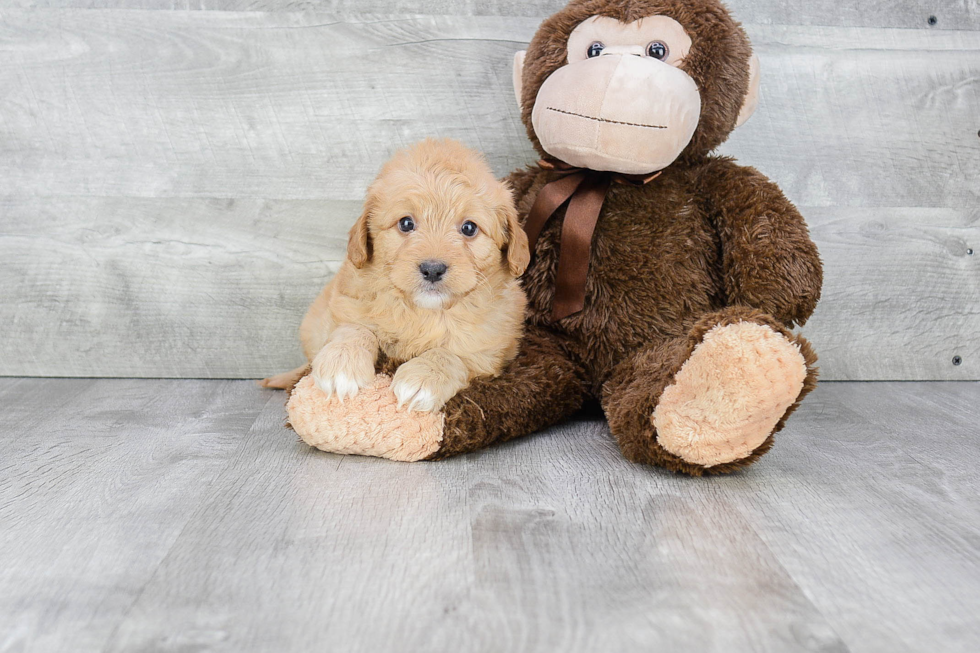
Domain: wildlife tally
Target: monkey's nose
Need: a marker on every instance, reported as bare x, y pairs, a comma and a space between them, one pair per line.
433, 271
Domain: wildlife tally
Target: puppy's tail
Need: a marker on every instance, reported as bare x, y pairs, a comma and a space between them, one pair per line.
286, 380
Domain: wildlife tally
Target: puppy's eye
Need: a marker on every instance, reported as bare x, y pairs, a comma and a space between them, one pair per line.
406, 225
469, 229
595, 49
658, 50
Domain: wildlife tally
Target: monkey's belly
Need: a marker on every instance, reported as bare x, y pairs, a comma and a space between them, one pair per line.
654, 298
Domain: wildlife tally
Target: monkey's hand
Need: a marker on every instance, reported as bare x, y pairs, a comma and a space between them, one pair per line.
770, 263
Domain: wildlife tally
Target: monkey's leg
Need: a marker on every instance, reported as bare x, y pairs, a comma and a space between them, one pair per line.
540, 387
711, 402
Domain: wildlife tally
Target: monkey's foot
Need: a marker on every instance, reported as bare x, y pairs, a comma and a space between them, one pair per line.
368, 424
730, 394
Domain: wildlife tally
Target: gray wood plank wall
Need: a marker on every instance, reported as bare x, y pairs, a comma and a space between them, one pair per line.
175, 186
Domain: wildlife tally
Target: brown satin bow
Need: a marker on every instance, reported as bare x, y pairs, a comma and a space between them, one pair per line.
586, 190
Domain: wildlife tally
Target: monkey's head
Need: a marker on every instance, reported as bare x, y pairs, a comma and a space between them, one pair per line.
631, 86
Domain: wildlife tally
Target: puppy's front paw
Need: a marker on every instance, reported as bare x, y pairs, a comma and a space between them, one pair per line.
421, 387
342, 370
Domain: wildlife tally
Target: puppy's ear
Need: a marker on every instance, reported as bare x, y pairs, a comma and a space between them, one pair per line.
518, 253
359, 240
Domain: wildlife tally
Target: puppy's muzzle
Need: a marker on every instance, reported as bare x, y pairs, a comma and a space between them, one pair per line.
433, 271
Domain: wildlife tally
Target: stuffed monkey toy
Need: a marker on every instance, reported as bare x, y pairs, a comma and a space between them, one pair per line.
664, 280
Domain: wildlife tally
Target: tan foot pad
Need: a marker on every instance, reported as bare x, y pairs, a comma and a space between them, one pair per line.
730, 394
368, 424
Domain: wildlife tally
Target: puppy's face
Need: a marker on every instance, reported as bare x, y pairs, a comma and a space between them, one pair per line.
438, 224
438, 239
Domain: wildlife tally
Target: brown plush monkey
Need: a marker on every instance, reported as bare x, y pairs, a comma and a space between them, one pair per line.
664, 280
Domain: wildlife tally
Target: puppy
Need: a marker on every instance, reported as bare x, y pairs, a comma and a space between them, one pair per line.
430, 279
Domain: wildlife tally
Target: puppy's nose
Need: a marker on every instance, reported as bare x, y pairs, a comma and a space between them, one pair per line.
433, 271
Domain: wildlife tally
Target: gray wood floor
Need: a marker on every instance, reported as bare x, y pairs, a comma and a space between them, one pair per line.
181, 516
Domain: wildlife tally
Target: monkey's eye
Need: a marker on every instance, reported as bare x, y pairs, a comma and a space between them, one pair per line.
468, 229
406, 224
658, 50
595, 49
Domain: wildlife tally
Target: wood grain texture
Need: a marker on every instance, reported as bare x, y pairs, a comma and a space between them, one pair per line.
181, 515
218, 104
901, 461
176, 186
162, 288
908, 14
297, 106
186, 287
92, 474
901, 296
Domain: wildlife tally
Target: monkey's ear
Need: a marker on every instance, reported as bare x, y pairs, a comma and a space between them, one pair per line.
518, 74
358, 241
751, 101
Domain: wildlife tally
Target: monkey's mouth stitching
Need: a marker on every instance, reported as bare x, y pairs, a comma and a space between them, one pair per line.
615, 122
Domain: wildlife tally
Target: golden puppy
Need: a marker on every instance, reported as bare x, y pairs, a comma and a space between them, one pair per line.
430, 279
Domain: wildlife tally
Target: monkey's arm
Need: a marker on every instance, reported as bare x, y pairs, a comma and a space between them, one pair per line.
770, 262
540, 387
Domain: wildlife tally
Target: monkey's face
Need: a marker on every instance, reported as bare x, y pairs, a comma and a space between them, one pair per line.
622, 99
621, 103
